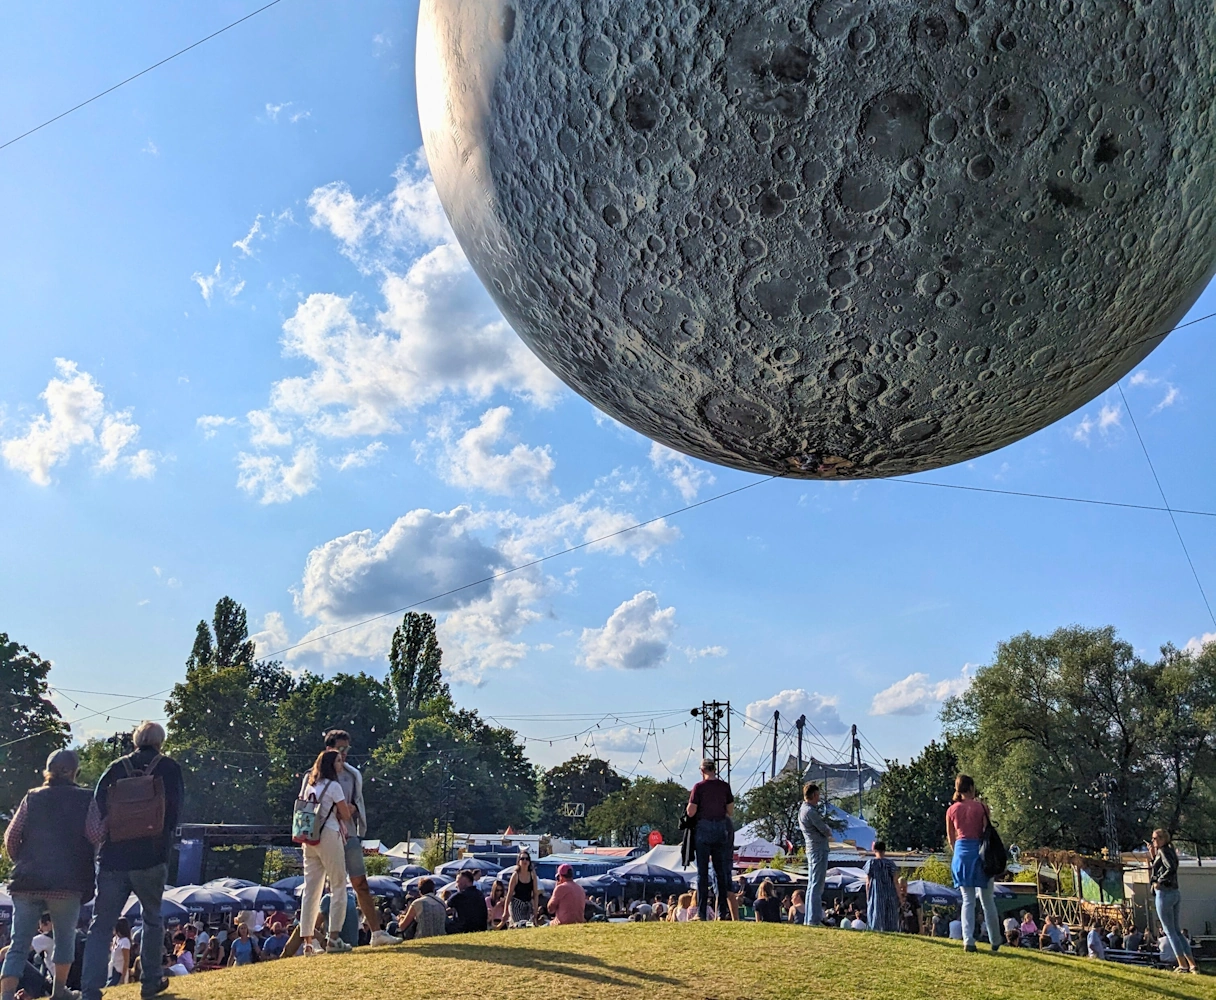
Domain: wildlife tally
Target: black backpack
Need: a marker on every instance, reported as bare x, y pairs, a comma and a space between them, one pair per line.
994, 859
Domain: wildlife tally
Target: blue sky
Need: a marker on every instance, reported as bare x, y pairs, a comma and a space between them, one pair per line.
243, 356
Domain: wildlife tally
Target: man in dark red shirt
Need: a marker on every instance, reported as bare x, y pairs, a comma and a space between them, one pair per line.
712, 804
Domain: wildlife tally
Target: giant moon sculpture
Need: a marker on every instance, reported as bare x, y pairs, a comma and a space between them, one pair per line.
844, 238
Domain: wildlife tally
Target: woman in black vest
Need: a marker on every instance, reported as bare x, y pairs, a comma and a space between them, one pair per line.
52, 839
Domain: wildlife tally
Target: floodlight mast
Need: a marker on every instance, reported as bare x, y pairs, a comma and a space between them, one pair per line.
715, 734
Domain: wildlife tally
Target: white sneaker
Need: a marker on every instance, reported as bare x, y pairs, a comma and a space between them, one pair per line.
384, 938
337, 945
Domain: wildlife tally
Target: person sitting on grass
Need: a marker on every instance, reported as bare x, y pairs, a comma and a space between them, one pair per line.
426, 917
767, 907
797, 911
568, 904
684, 910
496, 904
245, 950
272, 947
467, 906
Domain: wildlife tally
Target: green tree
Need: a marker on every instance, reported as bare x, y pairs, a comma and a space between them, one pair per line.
99, 753
360, 704
219, 717
1048, 721
773, 808
33, 725
582, 779
645, 804
1182, 715
910, 803
415, 661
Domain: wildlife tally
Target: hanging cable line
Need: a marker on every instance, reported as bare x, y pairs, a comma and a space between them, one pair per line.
1173, 520
123, 83
1051, 496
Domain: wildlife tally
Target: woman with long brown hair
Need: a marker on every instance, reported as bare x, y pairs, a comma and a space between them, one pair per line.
522, 893
328, 856
966, 820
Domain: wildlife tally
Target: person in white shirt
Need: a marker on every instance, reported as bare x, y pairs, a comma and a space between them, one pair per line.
327, 858
1095, 943
956, 929
43, 944
846, 924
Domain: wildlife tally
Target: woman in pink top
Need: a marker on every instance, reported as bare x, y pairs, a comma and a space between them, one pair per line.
965, 822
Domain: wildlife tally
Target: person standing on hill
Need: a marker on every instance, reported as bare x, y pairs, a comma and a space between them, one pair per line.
326, 858
140, 798
356, 870
816, 833
966, 820
52, 839
1163, 879
882, 894
712, 804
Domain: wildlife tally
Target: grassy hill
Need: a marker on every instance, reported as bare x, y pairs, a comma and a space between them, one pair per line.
697, 961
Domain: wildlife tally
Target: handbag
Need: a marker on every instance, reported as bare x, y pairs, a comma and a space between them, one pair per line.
994, 859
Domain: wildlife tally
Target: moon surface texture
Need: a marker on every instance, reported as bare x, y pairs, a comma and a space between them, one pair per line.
829, 239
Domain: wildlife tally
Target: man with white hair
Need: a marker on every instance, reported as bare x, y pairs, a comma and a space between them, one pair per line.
140, 798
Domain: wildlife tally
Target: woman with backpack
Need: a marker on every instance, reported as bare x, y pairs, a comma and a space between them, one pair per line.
324, 843
966, 820
52, 839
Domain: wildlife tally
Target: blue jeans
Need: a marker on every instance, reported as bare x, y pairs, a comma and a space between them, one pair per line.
991, 917
716, 843
27, 911
113, 888
816, 874
1168, 903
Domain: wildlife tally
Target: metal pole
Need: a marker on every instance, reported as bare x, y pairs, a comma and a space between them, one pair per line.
776, 719
856, 762
801, 724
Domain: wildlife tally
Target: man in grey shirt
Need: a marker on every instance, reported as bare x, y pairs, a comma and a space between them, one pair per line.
352, 786
815, 832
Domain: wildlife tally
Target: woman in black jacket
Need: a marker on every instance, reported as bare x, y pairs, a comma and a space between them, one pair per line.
52, 839
1163, 879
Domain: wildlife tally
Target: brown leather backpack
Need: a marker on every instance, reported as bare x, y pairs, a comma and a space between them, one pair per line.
135, 806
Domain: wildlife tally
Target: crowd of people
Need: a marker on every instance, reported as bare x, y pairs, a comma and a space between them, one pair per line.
71, 845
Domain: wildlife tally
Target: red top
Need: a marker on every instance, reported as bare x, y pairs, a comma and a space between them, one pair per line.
967, 819
711, 797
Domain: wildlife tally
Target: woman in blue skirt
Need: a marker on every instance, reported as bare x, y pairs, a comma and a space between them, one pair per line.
966, 820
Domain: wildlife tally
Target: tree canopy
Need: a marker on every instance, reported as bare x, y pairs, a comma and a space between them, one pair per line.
33, 725
628, 815
909, 806
1058, 722
582, 779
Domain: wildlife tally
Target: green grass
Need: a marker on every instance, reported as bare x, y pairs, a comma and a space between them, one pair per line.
690, 961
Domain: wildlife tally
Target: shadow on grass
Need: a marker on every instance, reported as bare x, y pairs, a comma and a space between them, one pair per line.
552, 960
1090, 968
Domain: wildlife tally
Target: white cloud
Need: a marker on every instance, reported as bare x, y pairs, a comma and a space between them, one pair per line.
209, 284
264, 432
272, 637
1108, 419
1171, 393
360, 457
685, 475
150, 148
210, 424
637, 635
625, 739
821, 711
473, 463
428, 553
916, 694
76, 417
705, 651
277, 481
244, 245
1196, 644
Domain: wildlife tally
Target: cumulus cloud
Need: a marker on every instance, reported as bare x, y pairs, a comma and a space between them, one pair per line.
1109, 418
360, 457
705, 651
472, 461
273, 635
625, 739
1196, 644
264, 432
916, 694
681, 471
821, 711
637, 635
77, 417
210, 424
276, 480
429, 553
